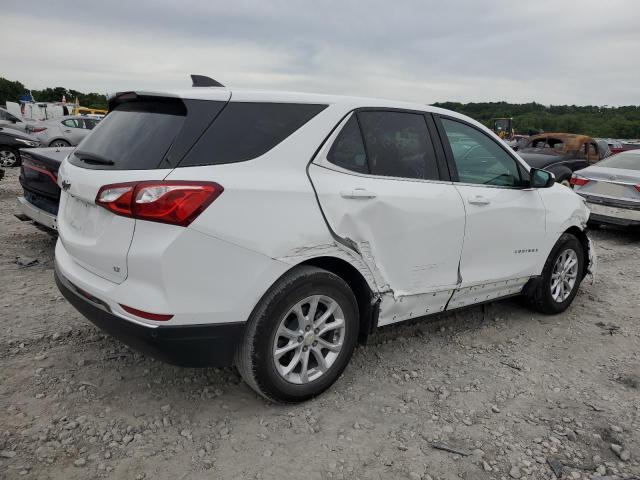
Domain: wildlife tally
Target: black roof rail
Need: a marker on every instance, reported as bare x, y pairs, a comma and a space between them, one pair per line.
204, 81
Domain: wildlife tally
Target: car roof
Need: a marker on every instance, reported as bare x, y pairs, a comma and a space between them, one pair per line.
64, 117
276, 96
569, 136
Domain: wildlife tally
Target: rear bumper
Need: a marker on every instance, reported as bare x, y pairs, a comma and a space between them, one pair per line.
613, 212
37, 215
183, 345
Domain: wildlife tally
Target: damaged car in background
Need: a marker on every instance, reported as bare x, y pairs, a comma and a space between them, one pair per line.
275, 230
39, 181
562, 153
612, 189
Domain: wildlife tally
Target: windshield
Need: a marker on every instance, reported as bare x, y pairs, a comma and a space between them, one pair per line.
135, 136
625, 160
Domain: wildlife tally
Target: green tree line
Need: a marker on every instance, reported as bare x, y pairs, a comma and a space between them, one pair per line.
613, 122
10, 91
608, 122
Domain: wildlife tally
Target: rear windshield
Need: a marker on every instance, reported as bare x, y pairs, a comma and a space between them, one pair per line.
134, 136
166, 133
627, 161
244, 131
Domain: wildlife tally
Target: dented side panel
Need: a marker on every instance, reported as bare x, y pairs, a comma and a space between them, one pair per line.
409, 234
565, 209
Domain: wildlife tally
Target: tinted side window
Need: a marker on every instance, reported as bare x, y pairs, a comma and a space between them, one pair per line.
478, 158
244, 131
71, 122
398, 145
348, 149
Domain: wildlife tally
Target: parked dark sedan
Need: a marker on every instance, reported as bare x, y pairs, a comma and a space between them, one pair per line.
11, 141
39, 180
562, 153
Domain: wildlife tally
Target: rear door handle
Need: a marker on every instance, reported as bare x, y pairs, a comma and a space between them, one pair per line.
479, 200
357, 193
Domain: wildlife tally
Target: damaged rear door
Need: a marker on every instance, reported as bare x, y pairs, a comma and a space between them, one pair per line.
383, 194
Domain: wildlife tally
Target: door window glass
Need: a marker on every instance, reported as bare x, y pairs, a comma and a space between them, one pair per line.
478, 158
348, 149
398, 145
71, 122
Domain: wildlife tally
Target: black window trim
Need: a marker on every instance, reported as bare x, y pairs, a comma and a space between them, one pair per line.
453, 169
441, 162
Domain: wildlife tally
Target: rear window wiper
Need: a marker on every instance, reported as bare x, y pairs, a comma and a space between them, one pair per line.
93, 158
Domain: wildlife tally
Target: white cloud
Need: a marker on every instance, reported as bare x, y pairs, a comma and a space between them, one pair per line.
572, 51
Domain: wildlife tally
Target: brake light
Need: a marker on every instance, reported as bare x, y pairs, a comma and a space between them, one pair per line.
579, 181
637, 187
37, 129
159, 317
174, 202
31, 166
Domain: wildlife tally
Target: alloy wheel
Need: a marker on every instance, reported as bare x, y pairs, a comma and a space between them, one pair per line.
309, 339
8, 158
564, 275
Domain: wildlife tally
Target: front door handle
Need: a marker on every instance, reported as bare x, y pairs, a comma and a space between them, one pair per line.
479, 200
357, 193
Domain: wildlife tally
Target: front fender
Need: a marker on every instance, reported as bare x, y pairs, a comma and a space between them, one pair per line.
565, 210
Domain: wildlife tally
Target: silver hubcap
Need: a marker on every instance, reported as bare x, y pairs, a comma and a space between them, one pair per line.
7, 158
309, 339
59, 144
564, 275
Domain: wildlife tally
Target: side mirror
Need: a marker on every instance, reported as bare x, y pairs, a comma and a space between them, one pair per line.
541, 178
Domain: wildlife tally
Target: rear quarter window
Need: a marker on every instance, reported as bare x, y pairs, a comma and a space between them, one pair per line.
244, 131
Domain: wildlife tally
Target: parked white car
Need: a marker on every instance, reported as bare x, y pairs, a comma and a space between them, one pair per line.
64, 131
274, 230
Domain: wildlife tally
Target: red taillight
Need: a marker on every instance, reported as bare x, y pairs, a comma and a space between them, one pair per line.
48, 173
174, 202
37, 129
579, 181
637, 187
159, 317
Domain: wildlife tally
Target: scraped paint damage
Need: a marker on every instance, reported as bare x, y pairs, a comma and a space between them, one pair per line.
394, 306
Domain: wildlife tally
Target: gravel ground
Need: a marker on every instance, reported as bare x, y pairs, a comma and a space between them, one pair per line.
510, 391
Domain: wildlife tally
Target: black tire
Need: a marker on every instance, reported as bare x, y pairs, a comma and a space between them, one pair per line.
254, 357
4, 150
537, 293
59, 143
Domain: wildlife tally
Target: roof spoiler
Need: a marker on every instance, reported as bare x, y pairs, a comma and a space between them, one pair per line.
204, 81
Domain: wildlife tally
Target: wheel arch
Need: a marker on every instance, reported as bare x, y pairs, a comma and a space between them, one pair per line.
581, 235
368, 303
59, 138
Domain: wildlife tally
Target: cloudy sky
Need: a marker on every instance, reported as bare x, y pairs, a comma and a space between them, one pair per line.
550, 51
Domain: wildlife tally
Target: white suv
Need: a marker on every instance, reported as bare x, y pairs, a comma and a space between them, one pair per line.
274, 231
